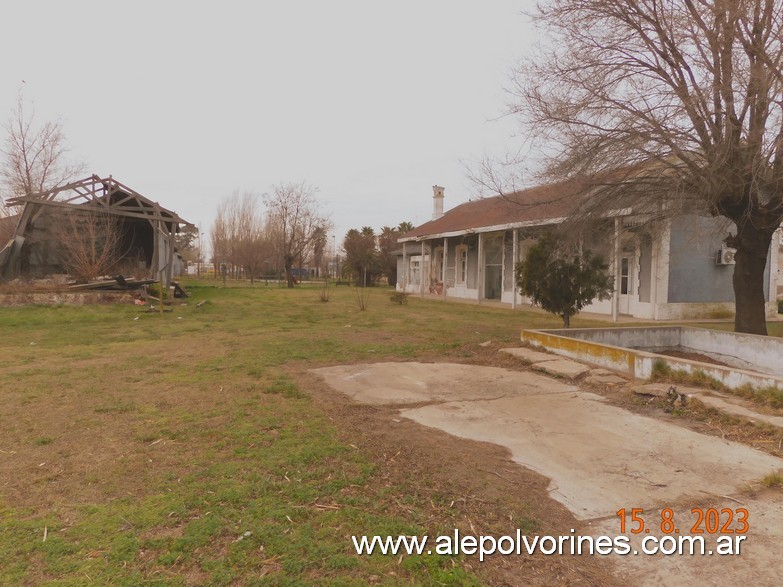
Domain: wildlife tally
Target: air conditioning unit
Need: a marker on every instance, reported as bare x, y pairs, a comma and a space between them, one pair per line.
726, 256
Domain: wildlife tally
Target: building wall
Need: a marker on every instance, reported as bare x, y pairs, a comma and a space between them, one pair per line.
675, 274
694, 276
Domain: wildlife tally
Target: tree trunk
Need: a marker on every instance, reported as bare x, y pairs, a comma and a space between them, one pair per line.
566, 320
752, 244
289, 273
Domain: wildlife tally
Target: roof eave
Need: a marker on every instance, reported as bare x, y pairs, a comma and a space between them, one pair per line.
484, 229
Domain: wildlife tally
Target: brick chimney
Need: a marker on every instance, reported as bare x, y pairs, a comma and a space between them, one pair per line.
437, 204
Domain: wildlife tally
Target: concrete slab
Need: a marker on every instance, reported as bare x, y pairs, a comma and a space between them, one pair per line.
529, 355
411, 383
604, 377
562, 368
601, 457
739, 410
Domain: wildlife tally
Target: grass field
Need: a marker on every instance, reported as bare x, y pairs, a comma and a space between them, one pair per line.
179, 448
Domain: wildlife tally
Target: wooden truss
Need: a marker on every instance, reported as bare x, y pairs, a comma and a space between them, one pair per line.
102, 195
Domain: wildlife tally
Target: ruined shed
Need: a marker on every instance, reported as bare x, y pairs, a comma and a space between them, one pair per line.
145, 230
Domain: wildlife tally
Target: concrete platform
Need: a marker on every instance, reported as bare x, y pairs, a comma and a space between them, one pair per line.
562, 368
529, 355
412, 383
738, 410
604, 377
598, 456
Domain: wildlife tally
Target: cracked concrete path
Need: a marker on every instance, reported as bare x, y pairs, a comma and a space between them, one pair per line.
413, 383
599, 457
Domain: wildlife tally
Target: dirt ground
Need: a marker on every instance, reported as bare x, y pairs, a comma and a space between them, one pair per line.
473, 486
470, 430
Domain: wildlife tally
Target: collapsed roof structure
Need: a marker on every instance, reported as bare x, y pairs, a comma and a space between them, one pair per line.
146, 229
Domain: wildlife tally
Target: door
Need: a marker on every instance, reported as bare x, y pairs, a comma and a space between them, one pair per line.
627, 282
493, 264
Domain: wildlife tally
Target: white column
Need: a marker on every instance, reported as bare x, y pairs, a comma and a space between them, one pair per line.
480, 267
514, 255
445, 264
421, 271
616, 294
405, 269
655, 253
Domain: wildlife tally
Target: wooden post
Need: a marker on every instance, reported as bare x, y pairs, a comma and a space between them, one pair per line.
162, 292
170, 267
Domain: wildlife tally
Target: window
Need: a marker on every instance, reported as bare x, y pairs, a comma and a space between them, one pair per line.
438, 268
462, 264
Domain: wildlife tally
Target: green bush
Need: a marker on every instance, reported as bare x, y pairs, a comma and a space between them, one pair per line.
399, 297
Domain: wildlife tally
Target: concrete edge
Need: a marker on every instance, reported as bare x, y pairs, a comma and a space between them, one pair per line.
639, 364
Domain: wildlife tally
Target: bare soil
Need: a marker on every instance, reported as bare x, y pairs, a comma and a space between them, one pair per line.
472, 486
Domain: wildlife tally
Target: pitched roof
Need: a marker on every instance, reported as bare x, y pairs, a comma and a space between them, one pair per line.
545, 204
105, 195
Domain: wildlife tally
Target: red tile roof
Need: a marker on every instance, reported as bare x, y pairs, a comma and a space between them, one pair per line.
542, 204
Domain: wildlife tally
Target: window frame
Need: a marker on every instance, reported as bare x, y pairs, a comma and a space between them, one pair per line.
461, 273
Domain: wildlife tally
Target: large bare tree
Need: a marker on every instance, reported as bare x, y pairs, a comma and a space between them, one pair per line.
34, 156
293, 215
668, 106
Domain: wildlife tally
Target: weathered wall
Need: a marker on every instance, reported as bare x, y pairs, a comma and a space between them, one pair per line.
55, 298
694, 276
758, 360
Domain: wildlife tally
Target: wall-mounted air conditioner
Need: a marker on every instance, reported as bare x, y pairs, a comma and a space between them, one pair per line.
726, 256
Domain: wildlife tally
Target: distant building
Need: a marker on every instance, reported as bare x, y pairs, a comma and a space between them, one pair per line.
678, 268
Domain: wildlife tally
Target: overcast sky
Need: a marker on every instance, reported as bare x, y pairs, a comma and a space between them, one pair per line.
372, 102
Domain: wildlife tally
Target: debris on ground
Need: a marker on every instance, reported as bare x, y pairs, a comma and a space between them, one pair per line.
118, 282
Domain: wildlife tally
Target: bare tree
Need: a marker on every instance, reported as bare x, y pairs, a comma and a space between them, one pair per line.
251, 246
34, 157
88, 243
292, 219
219, 238
239, 236
668, 106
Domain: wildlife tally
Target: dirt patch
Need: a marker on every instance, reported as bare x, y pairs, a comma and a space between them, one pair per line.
473, 486
601, 458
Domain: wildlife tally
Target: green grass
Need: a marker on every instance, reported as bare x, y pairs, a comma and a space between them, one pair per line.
773, 479
165, 438
661, 371
179, 448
